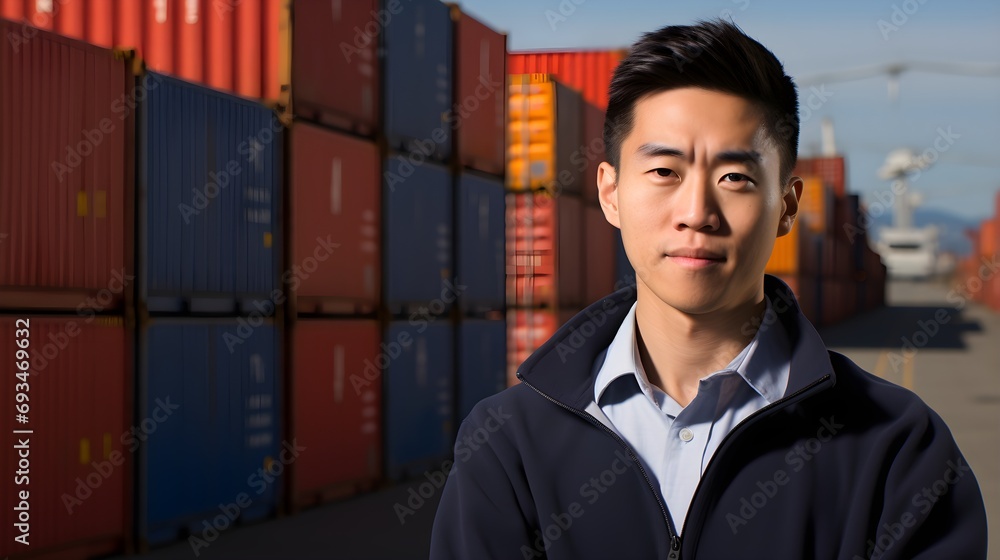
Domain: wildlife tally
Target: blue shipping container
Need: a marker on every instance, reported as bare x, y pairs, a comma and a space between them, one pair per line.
210, 422
480, 234
419, 401
209, 198
482, 362
418, 79
417, 241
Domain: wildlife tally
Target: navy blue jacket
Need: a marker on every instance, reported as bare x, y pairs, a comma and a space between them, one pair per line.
845, 466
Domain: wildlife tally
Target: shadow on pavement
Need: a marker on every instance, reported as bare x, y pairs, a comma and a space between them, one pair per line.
923, 326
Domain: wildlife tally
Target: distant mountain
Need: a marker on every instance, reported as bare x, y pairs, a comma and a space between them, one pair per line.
951, 228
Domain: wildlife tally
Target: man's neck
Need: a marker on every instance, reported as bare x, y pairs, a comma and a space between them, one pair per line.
677, 349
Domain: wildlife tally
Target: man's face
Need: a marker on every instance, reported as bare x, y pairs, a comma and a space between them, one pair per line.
698, 198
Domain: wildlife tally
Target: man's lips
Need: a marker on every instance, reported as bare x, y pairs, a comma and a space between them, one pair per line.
695, 257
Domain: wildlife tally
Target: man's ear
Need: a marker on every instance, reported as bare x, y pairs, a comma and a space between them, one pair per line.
793, 192
607, 193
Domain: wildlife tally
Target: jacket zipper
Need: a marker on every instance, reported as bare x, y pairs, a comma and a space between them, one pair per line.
675, 540
722, 444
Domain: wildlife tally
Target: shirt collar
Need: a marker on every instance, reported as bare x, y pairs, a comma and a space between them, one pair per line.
763, 363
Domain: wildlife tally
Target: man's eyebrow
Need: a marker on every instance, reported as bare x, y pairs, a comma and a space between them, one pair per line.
651, 150
751, 157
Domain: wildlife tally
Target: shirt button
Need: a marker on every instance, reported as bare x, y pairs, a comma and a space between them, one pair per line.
686, 434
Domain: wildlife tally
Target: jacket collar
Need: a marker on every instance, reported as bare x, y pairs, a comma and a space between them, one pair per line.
563, 367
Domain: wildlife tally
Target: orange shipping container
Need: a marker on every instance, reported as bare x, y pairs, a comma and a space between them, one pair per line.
816, 205
545, 136
588, 72
785, 256
830, 169
988, 237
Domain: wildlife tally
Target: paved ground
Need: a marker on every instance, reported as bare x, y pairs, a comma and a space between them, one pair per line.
954, 365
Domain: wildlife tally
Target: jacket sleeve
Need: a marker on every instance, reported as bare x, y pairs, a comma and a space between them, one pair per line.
479, 515
933, 504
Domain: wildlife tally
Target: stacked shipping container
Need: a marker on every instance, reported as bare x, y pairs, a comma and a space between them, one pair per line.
976, 277
826, 259
232, 45
66, 193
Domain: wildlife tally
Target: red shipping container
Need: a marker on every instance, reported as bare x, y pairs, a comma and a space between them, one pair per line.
480, 93
335, 194
80, 451
542, 230
335, 66
830, 169
66, 174
599, 255
588, 72
593, 149
193, 39
336, 408
527, 329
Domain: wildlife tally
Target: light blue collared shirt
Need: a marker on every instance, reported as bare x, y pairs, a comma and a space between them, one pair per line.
675, 443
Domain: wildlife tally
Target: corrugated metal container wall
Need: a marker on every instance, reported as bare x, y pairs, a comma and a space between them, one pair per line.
336, 407
335, 210
545, 130
589, 72
785, 255
592, 151
480, 94
418, 79
80, 451
66, 172
335, 66
480, 238
193, 39
544, 250
598, 255
832, 170
212, 388
570, 271
209, 198
418, 231
419, 402
482, 361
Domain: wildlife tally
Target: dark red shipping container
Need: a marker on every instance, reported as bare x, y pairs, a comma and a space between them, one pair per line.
527, 329
76, 462
66, 173
830, 169
588, 72
334, 193
336, 407
480, 101
335, 66
598, 255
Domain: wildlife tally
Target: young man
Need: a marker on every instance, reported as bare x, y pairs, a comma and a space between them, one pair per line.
698, 414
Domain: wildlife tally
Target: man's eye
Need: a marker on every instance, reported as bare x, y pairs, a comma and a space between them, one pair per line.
663, 171
736, 178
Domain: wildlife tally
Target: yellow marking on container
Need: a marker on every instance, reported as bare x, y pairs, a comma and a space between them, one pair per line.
107, 445
81, 204
84, 451
101, 204
268, 240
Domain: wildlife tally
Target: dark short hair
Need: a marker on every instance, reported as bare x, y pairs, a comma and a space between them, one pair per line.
714, 55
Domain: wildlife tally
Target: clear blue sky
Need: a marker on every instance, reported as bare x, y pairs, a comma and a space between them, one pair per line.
813, 37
